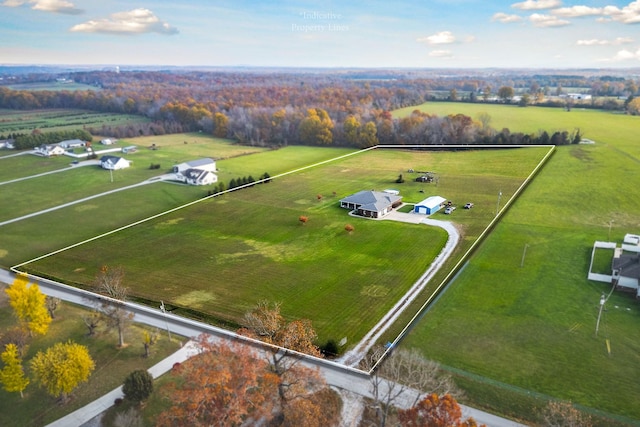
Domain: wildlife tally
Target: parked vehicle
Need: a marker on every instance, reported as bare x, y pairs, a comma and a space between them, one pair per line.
449, 210
468, 205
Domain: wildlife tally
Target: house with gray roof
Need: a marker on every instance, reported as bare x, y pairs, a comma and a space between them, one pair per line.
114, 162
206, 164
371, 204
199, 177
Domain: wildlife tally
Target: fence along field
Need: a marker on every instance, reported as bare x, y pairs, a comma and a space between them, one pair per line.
534, 326
221, 256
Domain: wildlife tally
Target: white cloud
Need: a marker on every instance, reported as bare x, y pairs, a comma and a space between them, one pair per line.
54, 6
441, 54
577, 11
505, 18
623, 55
443, 37
540, 20
135, 21
598, 42
629, 14
536, 4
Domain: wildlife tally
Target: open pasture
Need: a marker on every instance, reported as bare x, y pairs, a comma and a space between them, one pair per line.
53, 86
25, 239
224, 254
522, 312
20, 121
611, 128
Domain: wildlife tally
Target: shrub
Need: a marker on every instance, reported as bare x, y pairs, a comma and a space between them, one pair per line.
138, 385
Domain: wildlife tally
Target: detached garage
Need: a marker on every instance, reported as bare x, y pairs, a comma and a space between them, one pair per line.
429, 205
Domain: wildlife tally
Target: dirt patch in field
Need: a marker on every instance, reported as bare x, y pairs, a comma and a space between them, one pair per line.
581, 154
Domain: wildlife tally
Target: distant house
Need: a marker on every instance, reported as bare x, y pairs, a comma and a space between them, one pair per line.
199, 177
371, 204
430, 205
114, 162
107, 141
625, 264
7, 143
72, 143
49, 150
130, 149
206, 164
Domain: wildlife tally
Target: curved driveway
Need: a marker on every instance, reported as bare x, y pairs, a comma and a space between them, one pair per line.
353, 356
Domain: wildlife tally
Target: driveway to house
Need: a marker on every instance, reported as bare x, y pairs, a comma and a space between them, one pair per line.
160, 178
353, 356
336, 374
73, 165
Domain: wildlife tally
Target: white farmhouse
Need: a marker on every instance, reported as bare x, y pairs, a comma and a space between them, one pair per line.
199, 177
206, 164
114, 163
49, 150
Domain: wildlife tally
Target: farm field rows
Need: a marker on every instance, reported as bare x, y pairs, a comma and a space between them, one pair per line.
533, 326
18, 121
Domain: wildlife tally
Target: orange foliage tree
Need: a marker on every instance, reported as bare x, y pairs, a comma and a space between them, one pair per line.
435, 411
295, 382
226, 384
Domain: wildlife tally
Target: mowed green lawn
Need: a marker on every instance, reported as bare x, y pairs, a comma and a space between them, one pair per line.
534, 326
32, 237
223, 255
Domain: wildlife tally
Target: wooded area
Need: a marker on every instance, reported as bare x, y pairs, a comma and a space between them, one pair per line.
321, 108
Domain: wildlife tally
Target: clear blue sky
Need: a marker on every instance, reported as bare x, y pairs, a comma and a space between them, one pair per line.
356, 33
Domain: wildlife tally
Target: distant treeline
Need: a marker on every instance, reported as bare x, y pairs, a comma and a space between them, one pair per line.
278, 109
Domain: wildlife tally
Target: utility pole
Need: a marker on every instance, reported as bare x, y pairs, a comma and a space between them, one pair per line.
165, 318
524, 252
602, 301
609, 234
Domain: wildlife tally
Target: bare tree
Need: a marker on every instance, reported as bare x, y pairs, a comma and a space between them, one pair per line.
92, 321
109, 283
52, 304
402, 379
564, 414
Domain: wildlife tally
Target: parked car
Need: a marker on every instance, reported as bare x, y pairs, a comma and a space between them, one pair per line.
468, 206
449, 210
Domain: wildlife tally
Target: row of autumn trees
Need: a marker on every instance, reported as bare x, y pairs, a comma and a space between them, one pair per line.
269, 110
60, 368
65, 365
229, 384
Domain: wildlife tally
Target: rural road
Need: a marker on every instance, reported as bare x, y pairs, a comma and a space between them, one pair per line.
336, 374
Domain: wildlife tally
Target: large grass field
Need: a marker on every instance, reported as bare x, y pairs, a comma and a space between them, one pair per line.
223, 255
534, 326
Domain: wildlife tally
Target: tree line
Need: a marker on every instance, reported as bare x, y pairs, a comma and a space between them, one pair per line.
292, 108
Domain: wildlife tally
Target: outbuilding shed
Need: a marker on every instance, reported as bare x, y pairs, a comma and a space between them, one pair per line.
429, 205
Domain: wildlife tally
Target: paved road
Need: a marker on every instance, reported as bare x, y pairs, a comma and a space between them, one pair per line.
336, 374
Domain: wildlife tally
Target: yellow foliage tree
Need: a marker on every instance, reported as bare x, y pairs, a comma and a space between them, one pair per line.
29, 305
316, 127
12, 375
220, 125
62, 367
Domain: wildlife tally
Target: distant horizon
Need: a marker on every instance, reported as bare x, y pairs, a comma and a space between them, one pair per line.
125, 67
453, 34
